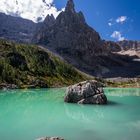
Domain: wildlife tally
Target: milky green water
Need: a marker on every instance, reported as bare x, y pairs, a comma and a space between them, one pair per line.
30, 114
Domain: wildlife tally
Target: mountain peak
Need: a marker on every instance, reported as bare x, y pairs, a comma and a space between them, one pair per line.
49, 20
70, 6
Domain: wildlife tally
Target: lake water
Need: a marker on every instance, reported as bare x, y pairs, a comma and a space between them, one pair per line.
30, 114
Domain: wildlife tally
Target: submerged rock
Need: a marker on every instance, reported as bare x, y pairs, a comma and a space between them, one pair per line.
50, 138
87, 92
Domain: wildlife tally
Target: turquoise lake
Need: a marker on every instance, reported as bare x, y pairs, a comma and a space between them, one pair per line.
31, 114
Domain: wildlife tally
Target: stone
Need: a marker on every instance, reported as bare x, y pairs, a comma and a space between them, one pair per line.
50, 138
87, 92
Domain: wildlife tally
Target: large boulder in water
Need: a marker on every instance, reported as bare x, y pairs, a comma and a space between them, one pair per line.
87, 92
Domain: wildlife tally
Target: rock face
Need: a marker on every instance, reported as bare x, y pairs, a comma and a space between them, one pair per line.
71, 37
50, 138
87, 92
42, 28
64, 32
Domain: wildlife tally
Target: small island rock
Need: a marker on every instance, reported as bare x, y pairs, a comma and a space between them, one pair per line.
87, 92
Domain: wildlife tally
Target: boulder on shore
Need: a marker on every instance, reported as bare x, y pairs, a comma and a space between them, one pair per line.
50, 138
87, 92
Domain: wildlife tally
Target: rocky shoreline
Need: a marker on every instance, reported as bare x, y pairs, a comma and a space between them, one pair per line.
5, 86
109, 82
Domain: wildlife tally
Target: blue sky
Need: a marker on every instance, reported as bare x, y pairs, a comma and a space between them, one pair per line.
100, 13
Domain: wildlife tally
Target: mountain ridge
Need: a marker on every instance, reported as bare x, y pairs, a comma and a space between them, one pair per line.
80, 45
16, 28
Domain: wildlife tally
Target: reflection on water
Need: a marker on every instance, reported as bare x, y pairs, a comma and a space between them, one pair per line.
81, 112
135, 124
121, 92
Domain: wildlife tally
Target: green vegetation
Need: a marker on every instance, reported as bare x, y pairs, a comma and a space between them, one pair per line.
29, 65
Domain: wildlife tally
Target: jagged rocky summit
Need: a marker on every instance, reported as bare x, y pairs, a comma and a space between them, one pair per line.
72, 38
87, 92
80, 45
62, 32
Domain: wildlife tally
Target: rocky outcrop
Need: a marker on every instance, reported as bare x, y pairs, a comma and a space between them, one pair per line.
50, 138
87, 92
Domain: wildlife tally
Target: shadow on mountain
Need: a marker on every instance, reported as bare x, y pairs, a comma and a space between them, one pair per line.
103, 66
130, 68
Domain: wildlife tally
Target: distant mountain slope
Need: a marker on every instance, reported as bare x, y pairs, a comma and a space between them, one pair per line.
129, 45
26, 65
124, 45
16, 28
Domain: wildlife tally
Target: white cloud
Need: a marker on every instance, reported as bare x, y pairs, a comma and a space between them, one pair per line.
110, 24
121, 19
117, 35
29, 9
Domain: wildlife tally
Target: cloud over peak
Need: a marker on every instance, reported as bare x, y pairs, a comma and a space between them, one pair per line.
118, 36
35, 10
